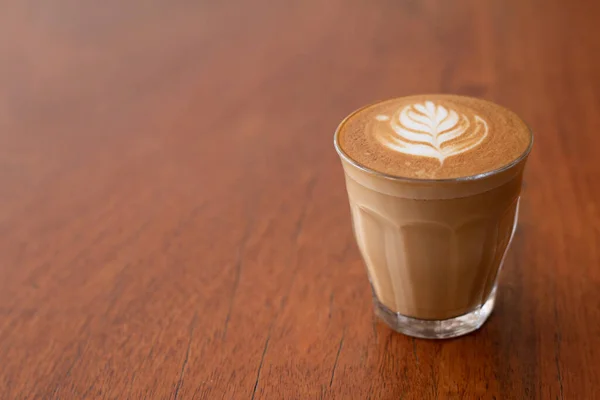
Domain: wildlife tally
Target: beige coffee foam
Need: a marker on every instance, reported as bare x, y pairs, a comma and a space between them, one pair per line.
507, 139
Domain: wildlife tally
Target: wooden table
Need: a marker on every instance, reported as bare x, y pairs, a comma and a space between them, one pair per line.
173, 217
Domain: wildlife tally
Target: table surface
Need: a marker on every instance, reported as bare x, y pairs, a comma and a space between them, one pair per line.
173, 217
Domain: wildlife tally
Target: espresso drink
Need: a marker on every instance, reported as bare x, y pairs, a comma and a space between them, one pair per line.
434, 184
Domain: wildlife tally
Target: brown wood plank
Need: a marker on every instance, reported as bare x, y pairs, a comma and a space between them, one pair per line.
173, 217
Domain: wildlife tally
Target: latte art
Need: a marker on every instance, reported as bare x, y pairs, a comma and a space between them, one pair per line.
432, 130
433, 136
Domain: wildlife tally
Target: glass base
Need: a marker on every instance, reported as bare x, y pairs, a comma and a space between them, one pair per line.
431, 329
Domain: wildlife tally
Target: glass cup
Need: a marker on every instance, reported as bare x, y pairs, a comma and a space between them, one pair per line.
433, 248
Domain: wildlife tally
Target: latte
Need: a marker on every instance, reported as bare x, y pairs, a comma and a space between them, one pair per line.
433, 183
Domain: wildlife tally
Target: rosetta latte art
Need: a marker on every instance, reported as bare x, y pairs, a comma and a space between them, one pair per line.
430, 130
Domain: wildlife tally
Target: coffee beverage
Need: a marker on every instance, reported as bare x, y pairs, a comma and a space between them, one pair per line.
433, 183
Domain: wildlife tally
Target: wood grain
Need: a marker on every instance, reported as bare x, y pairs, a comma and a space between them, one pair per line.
173, 218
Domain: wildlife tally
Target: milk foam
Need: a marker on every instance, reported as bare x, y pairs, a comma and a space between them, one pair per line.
431, 130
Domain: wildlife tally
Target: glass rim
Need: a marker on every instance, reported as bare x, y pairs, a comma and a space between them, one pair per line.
468, 178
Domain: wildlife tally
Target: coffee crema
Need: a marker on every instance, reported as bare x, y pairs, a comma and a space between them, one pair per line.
434, 137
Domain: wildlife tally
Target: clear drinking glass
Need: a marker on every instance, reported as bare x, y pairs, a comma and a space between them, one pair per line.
433, 248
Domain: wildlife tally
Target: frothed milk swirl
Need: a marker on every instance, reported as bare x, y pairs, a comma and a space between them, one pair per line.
434, 137
432, 130
434, 184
